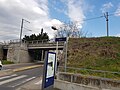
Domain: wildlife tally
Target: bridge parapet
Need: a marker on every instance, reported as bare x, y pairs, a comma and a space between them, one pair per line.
46, 45
34, 43
37, 41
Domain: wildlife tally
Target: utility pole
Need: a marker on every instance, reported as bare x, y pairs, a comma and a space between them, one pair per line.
22, 30
106, 16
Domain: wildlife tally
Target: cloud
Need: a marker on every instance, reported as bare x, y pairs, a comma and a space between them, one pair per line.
75, 11
117, 12
106, 7
118, 35
35, 11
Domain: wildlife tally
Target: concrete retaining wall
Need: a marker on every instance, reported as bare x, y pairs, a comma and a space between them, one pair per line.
101, 83
64, 85
18, 54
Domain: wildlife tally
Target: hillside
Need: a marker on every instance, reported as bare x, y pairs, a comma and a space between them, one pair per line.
94, 53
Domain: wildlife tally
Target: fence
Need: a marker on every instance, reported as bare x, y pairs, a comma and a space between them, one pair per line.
84, 71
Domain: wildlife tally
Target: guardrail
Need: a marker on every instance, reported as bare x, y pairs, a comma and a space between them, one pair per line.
100, 73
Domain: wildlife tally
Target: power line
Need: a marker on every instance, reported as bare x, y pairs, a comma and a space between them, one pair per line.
106, 15
93, 18
112, 14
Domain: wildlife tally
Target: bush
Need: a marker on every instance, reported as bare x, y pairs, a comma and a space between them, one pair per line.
7, 62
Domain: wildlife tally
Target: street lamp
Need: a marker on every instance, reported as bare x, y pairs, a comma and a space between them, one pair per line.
54, 28
22, 29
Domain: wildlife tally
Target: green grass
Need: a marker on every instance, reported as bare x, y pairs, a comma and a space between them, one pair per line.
7, 62
95, 53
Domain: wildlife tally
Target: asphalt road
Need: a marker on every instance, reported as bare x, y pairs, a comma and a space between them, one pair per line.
14, 81
13, 66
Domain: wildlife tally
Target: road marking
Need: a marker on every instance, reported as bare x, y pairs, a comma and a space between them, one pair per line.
12, 79
23, 82
39, 82
8, 76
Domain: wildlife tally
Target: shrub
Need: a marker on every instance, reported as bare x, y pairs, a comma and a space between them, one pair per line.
7, 62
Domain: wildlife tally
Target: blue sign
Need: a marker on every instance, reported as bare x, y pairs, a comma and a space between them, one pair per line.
50, 69
60, 39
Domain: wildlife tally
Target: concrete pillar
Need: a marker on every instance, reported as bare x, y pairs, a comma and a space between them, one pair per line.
18, 54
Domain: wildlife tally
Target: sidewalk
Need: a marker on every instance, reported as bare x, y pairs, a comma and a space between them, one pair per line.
35, 84
32, 85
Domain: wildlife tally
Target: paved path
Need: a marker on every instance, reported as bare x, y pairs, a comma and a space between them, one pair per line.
35, 84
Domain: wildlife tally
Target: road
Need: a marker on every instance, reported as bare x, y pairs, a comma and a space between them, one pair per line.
13, 66
12, 82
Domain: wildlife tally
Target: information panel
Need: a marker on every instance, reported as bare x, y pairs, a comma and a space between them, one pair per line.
49, 69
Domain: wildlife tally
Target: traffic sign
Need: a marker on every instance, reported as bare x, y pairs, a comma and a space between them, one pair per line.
60, 39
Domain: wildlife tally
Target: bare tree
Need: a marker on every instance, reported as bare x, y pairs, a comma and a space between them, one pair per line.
70, 30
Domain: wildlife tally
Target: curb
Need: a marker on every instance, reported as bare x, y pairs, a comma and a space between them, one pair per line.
26, 68
10, 71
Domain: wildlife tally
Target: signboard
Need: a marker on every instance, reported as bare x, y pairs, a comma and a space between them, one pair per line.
60, 39
49, 68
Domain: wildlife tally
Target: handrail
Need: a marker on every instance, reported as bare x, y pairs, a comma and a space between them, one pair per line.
91, 70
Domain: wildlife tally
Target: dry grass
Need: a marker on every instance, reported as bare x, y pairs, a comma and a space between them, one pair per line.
95, 53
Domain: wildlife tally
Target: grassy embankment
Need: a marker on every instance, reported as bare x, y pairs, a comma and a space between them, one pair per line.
95, 53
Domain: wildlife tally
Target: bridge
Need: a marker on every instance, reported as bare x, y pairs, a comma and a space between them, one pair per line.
35, 44
26, 51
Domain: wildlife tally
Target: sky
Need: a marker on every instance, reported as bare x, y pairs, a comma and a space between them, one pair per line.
47, 13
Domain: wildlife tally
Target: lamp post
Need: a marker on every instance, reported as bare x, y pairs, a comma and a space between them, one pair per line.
22, 29
54, 28
66, 54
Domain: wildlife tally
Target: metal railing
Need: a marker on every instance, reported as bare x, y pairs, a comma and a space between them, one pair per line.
100, 73
37, 41
34, 43
15, 41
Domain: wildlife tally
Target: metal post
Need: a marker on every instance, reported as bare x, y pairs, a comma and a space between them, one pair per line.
54, 28
106, 16
66, 55
56, 56
21, 32
107, 24
19, 50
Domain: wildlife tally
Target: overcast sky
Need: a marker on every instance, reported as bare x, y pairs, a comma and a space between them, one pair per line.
46, 13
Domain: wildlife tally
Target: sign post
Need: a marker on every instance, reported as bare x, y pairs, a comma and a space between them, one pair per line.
49, 71
65, 39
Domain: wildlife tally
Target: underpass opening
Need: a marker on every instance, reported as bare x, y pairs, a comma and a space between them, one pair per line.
39, 54
5, 51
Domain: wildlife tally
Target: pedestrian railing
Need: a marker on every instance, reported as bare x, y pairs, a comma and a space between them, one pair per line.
91, 72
